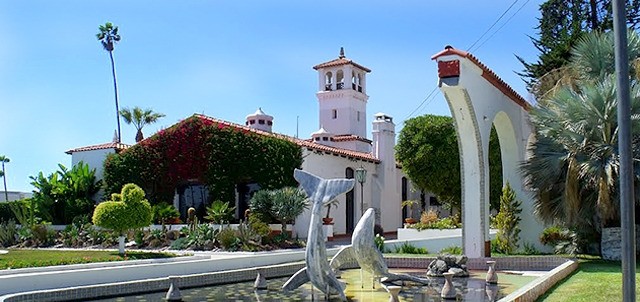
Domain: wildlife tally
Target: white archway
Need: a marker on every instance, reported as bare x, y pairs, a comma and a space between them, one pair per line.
478, 99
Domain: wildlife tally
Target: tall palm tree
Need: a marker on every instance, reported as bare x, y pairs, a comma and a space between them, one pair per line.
574, 164
140, 118
109, 36
3, 160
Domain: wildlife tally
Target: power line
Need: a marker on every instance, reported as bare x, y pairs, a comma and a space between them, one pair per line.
503, 24
494, 24
474, 43
423, 101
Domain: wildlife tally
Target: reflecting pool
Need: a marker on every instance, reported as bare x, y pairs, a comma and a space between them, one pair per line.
469, 289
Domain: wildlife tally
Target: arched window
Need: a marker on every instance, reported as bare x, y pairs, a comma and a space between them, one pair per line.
328, 77
353, 80
359, 82
340, 80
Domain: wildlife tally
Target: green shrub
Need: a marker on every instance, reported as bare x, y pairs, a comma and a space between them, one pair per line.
203, 236
220, 212
261, 228
440, 224
563, 241
229, 240
65, 194
8, 233
6, 213
507, 221
180, 244
379, 241
530, 249
452, 250
133, 211
407, 248
282, 205
164, 213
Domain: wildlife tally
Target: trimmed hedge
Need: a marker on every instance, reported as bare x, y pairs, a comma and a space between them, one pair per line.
128, 210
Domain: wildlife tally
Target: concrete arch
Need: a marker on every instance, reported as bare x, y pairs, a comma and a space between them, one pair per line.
478, 100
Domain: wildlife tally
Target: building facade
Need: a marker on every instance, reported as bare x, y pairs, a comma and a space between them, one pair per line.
337, 150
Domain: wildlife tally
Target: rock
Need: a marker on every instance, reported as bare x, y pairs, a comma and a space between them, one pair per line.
173, 235
458, 272
448, 263
461, 260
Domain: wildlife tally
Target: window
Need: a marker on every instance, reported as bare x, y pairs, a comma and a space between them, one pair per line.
317, 139
270, 123
353, 80
340, 80
252, 122
327, 81
358, 116
334, 113
325, 138
261, 122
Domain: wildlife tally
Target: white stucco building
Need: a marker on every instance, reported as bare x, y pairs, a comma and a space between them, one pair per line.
337, 150
14, 195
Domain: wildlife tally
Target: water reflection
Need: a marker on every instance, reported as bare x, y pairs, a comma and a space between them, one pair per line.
473, 288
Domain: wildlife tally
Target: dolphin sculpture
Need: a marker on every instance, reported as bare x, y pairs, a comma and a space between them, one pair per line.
365, 252
317, 270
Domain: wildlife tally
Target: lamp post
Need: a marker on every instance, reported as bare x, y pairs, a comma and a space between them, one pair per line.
361, 177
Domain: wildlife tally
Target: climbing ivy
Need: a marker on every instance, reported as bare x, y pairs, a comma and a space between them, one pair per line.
198, 149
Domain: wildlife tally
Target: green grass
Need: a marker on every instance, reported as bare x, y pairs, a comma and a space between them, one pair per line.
21, 258
594, 280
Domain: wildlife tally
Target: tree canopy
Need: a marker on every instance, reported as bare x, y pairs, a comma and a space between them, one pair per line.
428, 151
561, 25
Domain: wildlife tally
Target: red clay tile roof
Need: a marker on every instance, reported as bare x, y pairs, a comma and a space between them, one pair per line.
340, 61
112, 145
488, 74
309, 145
349, 137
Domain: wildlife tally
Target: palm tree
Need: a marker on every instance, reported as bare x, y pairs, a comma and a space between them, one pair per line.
3, 160
109, 36
574, 165
140, 118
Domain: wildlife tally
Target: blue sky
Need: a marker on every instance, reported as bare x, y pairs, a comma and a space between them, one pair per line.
225, 59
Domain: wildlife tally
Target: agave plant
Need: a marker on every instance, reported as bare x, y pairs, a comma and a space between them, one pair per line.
220, 212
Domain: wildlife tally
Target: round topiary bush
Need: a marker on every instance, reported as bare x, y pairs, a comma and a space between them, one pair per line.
125, 211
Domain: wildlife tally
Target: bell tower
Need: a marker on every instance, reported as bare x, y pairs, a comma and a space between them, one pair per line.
342, 99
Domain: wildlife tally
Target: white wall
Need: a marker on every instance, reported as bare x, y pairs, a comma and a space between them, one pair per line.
331, 166
95, 160
14, 195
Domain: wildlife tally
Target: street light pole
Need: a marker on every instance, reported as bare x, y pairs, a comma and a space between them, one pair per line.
361, 177
627, 206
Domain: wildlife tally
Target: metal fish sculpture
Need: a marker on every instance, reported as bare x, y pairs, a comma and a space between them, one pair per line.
318, 271
363, 249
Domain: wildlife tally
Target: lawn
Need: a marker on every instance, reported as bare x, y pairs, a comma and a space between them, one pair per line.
594, 280
21, 258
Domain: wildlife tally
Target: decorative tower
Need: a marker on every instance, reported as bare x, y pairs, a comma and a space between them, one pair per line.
342, 98
260, 120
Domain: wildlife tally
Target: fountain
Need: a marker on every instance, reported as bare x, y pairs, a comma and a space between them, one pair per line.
319, 275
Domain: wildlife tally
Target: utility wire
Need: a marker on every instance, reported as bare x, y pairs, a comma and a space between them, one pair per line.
501, 26
423, 101
431, 94
494, 24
